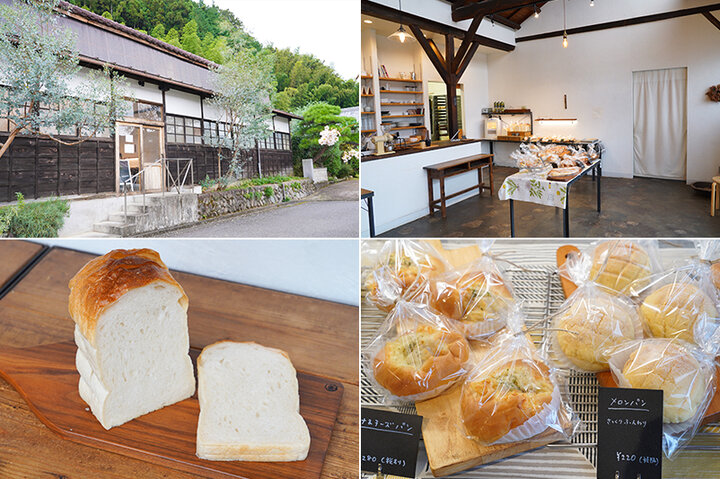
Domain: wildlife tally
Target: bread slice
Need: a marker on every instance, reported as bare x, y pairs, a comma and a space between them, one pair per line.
249, 405
132, 336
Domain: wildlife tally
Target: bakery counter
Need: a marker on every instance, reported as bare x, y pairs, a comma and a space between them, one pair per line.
436, 145
400, 182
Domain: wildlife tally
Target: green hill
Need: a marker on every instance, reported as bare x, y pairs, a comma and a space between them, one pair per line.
210, 32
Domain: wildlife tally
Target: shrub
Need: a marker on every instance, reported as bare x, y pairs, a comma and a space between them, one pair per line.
297, 186
268, 191
42, 219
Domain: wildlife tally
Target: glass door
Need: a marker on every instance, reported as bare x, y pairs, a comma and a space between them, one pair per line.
139, 148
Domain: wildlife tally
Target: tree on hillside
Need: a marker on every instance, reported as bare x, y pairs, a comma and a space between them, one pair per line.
158, 31
190, 39
38, 64
244, 87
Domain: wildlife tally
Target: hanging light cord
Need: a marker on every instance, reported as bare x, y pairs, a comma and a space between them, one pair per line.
564, 16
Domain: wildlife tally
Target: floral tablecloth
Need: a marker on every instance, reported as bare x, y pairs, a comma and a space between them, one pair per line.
524, 186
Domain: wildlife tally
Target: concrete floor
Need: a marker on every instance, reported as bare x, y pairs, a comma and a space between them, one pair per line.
332, 212
638, 207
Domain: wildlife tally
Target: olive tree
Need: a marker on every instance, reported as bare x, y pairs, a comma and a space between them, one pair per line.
244, 88
43, 92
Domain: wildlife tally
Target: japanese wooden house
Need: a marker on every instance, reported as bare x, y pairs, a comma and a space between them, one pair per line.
170, 118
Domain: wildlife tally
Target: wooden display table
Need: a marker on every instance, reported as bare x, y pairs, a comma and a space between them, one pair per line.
446, 169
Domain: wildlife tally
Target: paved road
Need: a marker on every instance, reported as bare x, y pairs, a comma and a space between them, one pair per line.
331, 212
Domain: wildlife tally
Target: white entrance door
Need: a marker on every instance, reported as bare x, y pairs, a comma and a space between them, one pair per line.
660, 123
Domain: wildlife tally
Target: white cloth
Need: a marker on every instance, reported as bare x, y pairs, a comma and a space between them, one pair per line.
660, 123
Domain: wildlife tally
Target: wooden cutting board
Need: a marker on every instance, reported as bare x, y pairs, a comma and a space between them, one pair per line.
16, 255
605, 379
449, 451
38, 358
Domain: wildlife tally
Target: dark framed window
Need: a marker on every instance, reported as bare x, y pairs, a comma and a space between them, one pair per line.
182, 129
282, 141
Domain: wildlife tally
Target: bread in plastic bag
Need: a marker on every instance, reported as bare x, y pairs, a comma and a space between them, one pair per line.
617, 263
416, 354
590, 321
400, 264
684, 372
477, 296
511, 395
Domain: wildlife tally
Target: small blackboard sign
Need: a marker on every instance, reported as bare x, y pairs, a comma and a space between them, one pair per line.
629, 433
389, 441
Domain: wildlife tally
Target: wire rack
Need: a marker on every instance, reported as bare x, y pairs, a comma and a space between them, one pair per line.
541, 294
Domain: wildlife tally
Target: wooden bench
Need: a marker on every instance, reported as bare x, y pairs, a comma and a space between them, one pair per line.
446, 169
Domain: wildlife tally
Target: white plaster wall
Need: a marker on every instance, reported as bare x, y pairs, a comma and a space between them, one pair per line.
149, 92
441, 12
211, 112
281, 124
595, 71
580, 13
400, 185
181, 103
325, 269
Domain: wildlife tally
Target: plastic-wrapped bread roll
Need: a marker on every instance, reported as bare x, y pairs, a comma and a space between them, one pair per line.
617, 263
591, 321
671, 365
416, 354
511, 394
673, 310
715, 269
477, 297
402, 263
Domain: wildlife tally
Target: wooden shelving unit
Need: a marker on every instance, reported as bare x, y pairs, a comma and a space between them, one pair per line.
366, 77
403, 104
367, 131
367, 112
407, 127
402, 116
401, 80
364, 95
407, 92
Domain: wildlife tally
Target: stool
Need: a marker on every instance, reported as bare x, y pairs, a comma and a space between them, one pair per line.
714, 196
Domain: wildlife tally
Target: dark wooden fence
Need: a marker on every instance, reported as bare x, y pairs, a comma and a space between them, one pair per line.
39, 168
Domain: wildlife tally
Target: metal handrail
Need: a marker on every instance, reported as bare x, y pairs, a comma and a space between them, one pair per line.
188, 169
130, 180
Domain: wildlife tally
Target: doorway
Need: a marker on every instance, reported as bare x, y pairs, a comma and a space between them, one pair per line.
439, 126
660, 123
139, 148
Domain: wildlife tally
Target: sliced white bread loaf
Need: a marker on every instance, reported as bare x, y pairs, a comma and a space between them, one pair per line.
249, 405
132, 336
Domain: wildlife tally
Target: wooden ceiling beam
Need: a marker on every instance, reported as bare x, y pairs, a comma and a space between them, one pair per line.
466, 61
504, 21
431, 51
625, 23
383, 12
712, 18
466, 42
486, 7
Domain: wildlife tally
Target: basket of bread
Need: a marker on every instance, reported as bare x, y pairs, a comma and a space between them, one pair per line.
553, 161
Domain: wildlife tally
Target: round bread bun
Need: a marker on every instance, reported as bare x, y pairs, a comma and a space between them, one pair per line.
672, 310
474, 298
403, 273
597, 322
505, 398
715, 269
670, 367
616, 264
422, 360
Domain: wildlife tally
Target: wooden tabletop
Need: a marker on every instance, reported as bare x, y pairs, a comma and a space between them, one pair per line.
458, 161
321, 337
15, 255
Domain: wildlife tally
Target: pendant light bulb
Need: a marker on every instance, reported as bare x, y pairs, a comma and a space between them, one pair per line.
565, 40
400, 34
592, 3
537, 13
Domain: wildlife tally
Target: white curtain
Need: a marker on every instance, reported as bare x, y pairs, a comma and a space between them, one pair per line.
660, 123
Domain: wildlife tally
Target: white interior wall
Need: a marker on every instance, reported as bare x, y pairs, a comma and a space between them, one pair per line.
181, 103
440, 11
595, 71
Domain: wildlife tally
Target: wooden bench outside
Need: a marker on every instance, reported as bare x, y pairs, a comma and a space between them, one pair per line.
446, 169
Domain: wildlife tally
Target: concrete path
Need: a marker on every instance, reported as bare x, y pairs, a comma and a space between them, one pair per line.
330, 213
